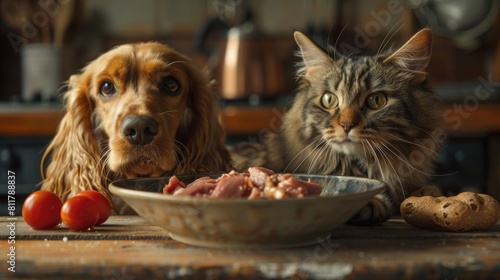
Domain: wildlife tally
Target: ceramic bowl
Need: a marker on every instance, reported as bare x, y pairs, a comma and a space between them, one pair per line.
242, 223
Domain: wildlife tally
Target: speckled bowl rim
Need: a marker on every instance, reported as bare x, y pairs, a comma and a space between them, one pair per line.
116, 189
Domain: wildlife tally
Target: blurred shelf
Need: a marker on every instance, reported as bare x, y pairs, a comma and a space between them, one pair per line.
29, 120
241, 120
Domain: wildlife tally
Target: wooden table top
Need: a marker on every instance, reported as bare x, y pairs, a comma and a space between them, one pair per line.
128, 247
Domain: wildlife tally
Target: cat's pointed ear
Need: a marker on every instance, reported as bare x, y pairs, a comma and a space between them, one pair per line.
415, 54
312, 55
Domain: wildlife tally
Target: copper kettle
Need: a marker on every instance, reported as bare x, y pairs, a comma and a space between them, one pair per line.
247, 63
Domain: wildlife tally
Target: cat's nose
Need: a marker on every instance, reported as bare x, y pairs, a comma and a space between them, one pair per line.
347, 126
348, 118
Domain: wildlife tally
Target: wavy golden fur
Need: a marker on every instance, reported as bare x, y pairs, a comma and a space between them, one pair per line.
138, 110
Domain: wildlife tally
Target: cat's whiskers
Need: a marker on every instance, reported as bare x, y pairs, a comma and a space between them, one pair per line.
387, 39
369, 171
302, 151
389, 161
400, 139
315, 160
364, 149
377, 161
389, 133
431, 133
400, 156
336, 42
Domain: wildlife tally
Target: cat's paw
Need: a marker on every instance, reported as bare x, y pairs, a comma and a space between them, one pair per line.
376, 212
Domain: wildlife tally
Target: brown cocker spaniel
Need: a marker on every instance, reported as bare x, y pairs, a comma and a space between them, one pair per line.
138, 110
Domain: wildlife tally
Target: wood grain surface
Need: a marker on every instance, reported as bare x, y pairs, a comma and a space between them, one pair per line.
128, 247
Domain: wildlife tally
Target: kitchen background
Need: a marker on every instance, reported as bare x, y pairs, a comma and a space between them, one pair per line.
465, 65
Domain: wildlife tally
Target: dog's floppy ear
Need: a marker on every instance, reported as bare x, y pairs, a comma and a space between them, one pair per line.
75, 158
205, 141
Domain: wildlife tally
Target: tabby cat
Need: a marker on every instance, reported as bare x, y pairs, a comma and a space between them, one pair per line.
369, 116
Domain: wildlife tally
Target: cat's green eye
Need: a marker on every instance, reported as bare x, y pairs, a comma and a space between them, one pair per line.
376, 100
329, 100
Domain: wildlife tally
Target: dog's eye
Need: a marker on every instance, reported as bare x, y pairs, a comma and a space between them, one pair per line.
107, 89
170, 85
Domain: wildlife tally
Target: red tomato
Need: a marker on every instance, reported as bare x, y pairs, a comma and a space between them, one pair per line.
103, 204
41, 210
79, 213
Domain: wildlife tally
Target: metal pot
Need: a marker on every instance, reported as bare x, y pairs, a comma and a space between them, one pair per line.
247, 63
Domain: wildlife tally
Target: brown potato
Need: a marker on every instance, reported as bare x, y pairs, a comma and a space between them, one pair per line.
465, 212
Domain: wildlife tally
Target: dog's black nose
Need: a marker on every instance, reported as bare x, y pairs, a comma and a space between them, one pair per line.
139, 130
